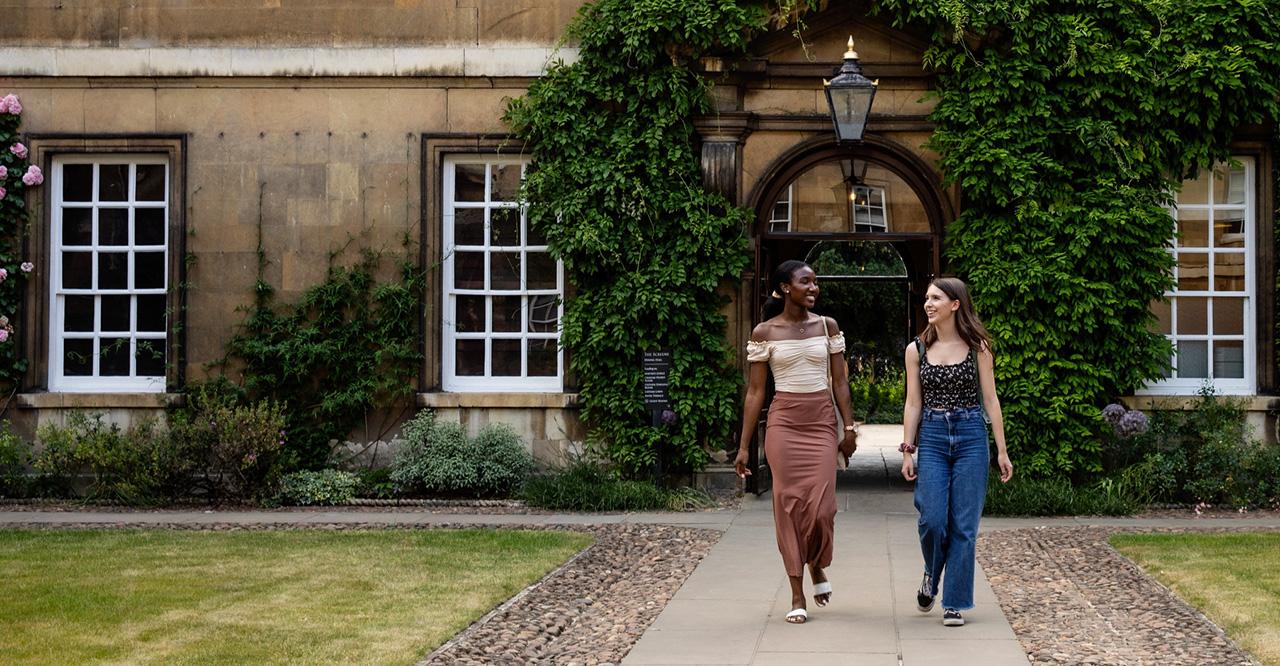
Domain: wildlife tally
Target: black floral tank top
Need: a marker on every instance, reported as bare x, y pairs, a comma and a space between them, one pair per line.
949, 386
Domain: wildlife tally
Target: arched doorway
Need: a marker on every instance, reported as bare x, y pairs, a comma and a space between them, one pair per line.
869, 219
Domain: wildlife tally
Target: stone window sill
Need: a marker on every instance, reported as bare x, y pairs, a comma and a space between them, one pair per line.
98, 400
498, 400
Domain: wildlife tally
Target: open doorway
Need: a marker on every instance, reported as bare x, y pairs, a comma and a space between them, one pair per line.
874, 243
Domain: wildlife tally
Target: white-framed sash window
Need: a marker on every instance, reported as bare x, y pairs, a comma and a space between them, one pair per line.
780, 216
108, 273
502, 289
870, 213
1209, 315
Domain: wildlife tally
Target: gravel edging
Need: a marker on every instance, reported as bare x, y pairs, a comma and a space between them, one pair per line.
588, 612
1073, 599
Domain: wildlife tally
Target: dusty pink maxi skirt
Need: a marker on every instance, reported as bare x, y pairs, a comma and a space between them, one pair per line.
800, 445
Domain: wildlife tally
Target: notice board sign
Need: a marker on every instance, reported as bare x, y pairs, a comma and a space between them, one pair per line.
657, 369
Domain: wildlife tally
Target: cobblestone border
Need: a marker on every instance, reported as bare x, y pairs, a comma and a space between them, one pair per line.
589, 612
1073, 599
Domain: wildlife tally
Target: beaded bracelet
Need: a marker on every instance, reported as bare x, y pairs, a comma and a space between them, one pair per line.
907, 448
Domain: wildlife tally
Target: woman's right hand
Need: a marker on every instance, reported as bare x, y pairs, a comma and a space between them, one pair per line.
740, 464
908, 467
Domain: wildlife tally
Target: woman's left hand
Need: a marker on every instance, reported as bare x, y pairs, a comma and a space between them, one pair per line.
849, 444
1006, 468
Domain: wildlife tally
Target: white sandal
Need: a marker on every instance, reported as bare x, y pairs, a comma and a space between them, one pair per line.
820, 589
800, 613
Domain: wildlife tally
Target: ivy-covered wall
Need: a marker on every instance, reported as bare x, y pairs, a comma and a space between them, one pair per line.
1066, 126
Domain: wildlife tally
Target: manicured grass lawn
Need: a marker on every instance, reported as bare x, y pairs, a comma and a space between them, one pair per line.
152, 596
1234, 579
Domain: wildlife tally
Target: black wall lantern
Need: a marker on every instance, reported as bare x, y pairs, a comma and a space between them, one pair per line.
849, 96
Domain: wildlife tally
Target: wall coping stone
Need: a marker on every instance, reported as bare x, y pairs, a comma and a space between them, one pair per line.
462, 61
69, 400
498, 400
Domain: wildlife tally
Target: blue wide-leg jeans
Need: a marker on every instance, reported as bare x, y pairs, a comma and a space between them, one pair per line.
952, 462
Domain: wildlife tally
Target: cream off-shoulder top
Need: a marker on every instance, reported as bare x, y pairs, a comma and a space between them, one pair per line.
798, 366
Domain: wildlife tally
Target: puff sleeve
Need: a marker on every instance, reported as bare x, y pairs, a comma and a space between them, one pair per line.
759, 352
835, 343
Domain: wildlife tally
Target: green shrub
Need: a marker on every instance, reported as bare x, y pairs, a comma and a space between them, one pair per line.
878, 392
439, 458
15, 455
240, 446
587, 486
140, 465
1058, 496
323, 487
376, 483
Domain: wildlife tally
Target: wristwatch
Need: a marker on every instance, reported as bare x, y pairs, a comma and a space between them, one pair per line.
851, 428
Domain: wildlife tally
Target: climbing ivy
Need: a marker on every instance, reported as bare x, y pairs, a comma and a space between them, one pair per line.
616, 188
347, 348
1067, 126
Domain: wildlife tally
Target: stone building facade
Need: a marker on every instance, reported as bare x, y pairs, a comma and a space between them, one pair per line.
172, 130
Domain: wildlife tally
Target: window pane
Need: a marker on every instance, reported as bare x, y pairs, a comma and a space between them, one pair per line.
1228, 228
1193, 316
543, 359
151, 312
116, 314
506, 182
77, 358
468, 226
469, 317
77, 182
1228, 316
77, 226
544, 313
113, 226
1164, 322
148, 270
468, 182
78, 313
1228, 271
1193, 359
1228, 185
113, 182
535, 237
470, 358
468, 270
150, 358
148, 226
504, 226
542, 270
507, 312
77, 270
113, 270
1228, 359
504, 270
114, 361
506, 358
1194, 191
1193, 272
1193, 228
150, 182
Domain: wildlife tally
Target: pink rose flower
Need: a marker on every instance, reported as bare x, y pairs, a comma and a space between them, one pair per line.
4, 274
19, 150
10, 104
4, 335
4, 172
33, 176
27, 267
2, 192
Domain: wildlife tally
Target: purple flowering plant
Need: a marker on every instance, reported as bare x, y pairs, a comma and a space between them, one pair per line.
16, 176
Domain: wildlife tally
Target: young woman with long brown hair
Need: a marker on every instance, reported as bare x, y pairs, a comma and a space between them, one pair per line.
805, 353
950, 383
